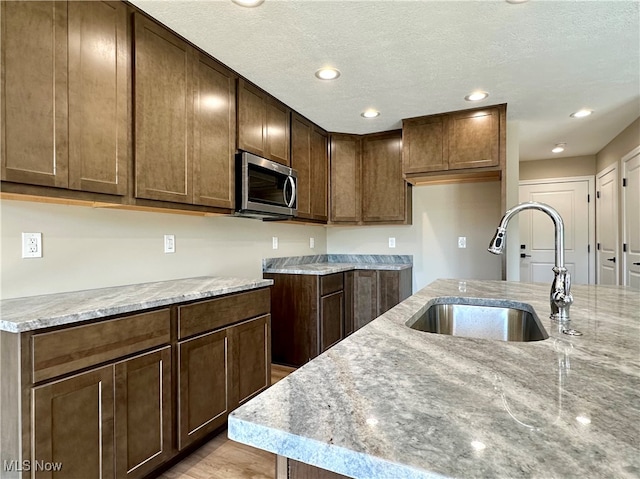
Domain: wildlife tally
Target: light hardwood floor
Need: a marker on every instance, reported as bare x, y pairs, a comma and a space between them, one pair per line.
221, 458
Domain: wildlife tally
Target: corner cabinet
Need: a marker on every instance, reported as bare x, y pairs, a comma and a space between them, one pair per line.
367, 185
184, 121
468, 143
263, 124
310, 158
101, 399
311, 313
66, 111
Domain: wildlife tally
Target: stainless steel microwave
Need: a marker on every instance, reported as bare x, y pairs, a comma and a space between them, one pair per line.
264, 189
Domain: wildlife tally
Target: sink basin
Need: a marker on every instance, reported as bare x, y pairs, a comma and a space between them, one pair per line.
480, 318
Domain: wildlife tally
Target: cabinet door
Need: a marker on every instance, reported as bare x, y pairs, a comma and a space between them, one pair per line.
163, 113
143, 413
278, 118
393, 287
384, 191
73, 425
345, 178
424, 145
301, 131
214, 134
251, 118
365, 297
319, 174
34, 99
474, 139
250, 343
331, 320
99, 62
203, 378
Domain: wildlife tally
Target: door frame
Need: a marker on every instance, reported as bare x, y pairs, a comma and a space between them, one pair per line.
625, 230
613, 167
591, 207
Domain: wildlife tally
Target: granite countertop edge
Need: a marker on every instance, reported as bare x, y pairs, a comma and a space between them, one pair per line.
18, 315
321, 269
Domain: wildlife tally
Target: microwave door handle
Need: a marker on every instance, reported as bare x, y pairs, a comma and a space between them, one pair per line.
292, 201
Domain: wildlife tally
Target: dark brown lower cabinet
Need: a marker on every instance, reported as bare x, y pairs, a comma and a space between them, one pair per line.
203, 374
251, 358
119, 397
143, 413
217, 371
311, 313
331, 319
307, 315
73, 425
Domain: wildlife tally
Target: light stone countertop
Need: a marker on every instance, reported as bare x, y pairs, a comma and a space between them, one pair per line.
35, 312
391, 402
335, 263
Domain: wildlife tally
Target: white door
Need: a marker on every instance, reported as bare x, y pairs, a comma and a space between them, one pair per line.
607, 257
570, 197
631, 218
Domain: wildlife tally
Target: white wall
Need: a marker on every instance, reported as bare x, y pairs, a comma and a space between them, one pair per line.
91, 247
441, 213
88, 248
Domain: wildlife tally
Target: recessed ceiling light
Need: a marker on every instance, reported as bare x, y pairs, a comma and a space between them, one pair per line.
559, 148
515, 2
248, 3
328, 73
476, 96
370, 114
581, 113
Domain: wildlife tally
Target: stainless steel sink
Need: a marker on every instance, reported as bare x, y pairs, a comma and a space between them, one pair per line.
480, 318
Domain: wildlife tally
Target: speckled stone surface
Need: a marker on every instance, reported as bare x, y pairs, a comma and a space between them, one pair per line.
335, 263
392, 402
36, 312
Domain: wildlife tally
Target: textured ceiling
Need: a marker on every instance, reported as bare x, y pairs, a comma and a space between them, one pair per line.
545, 59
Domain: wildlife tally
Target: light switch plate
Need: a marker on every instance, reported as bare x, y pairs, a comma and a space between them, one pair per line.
169, 243
32, 245
462, 241
274, 242
392, 242
312, 243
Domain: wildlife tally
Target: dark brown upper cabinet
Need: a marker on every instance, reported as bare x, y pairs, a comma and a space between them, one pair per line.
345, 178
366, 180
386, 197
263, 124
309, 157
65, 121
184, 121
468, 142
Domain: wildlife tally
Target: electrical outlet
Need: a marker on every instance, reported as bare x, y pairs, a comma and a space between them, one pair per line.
274, 242
32, 245
462, 241
392, 242
169, 243
312, 243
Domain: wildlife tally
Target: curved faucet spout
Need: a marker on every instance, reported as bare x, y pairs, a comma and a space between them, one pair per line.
560, 297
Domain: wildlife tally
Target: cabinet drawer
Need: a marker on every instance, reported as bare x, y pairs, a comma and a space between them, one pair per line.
66, 350
331, 283
209, 315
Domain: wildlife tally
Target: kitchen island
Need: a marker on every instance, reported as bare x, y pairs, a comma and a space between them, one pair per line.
392, 402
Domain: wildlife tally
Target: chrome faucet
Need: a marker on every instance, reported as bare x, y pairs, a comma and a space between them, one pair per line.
560, 297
